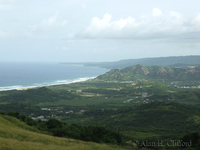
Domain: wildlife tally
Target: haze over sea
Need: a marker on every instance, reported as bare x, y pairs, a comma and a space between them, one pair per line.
24, 75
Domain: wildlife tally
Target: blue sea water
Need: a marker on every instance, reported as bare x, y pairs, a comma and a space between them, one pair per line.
23, 75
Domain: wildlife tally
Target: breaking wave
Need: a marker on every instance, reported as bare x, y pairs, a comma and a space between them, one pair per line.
57, 82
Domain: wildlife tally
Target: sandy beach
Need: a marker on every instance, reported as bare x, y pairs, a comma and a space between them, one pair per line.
32, 87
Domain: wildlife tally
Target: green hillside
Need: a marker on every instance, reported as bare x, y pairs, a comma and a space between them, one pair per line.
154, 120
22, 109
139, 72
16, 135
191, 97
36, 96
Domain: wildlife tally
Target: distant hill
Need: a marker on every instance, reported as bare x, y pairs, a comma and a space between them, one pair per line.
152, 72
175, 61
36, 96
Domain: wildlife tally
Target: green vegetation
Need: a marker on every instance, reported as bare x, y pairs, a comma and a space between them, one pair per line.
3, 93
98, 134
80, 96
36, 96
160, 120
158, 73
191, 97
16, 135
22, 109
29, 136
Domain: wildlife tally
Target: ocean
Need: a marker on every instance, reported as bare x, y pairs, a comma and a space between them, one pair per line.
26, 75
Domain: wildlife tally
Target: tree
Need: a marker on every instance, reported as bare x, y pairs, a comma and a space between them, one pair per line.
53, 123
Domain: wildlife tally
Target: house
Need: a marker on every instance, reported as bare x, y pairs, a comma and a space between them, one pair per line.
82, 111
46, 109
40, 117
78, 91
69, 112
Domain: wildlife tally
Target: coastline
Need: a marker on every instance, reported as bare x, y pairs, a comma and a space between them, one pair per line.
56, 83
23, 76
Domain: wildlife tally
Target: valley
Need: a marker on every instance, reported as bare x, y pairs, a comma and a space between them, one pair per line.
135, 102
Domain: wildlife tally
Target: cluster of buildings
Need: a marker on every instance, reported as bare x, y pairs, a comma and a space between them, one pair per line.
57, 114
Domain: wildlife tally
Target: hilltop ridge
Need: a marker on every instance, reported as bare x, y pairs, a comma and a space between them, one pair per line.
152, 72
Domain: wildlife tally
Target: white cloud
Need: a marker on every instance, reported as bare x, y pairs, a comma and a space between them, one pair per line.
106, 27
101, 24
170, 25
156, 12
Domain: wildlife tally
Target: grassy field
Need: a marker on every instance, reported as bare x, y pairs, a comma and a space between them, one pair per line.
15, 135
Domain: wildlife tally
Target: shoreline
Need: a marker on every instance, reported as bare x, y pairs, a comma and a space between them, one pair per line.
32, 87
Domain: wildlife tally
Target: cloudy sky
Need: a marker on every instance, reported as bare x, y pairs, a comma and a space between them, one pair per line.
98, 30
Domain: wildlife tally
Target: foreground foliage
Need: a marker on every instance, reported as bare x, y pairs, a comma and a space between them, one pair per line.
54, 127
156, 120
16, 135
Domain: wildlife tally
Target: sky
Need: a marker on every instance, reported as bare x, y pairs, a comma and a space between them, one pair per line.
97, 30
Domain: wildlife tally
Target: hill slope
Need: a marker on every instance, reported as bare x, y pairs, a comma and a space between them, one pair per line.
187, 97
15, 135
36, 96
154, 72
166, 120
